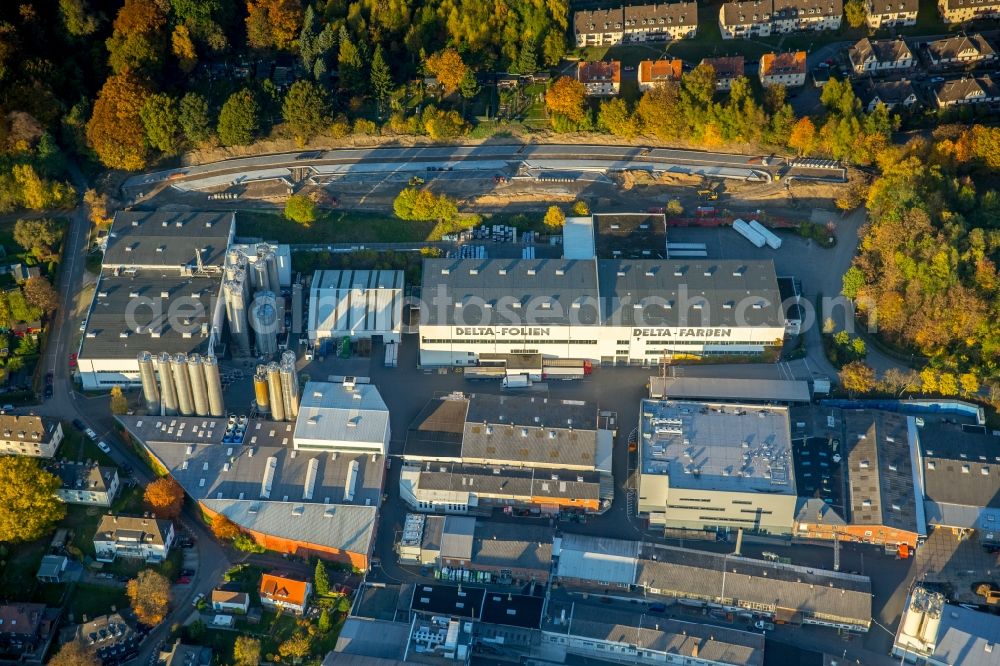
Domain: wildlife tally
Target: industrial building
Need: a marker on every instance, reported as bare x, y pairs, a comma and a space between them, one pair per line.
307, 503
356, 304
158, 292
960, 473
251, 287
716, 466
933, 632
342, 416
625, 312
181, 384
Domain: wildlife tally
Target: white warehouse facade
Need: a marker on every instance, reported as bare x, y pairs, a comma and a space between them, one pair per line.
356, 304
622, 312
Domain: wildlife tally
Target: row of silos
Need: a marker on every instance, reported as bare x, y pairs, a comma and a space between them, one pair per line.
276, 388
188, 385
251, 286
922, 619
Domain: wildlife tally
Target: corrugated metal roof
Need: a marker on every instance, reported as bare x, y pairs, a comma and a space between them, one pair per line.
578, 238
355, 302
330, 413
167, 238
598, 559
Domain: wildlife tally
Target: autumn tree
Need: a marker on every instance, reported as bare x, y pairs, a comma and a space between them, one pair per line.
441, 124
447, 67
567, 98
39, 236
74, 653
182, 46
38, 193
119, 403
321, 582
97, 205
160, 119
149, 593
803, 135
857, 377
115, 131
246, 651
854, 12
164, 497
899, 381
554, 218
273, 23
78, 17
139, 39
238, 119
224, 529
28, 503
297, 646
300, 208
193, 118
615, 117
580, 208
421, 204
657, 111
305, 110
38, 291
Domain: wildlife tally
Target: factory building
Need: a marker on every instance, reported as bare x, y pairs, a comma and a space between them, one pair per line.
342, 416
356, 304
616, 312
933, 632
158, 292
716, 466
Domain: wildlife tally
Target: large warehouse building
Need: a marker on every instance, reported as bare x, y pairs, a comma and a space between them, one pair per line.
356, 304
158, 292
713, 466
621, 312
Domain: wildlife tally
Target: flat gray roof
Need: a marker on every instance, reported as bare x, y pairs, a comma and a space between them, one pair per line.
717, 446
371, 638
168, 238
506, 545
735, 390
182, 322
961, 465
456, 537
340, 412
510, 481
601, 559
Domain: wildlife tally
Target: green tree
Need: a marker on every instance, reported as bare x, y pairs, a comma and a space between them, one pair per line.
468, 87
553, 47
527, 59
160, 119
80, 20
323, 625
39, 236
381, 79
440, 124
29, 507
421, 204
854, 11
238, 120
853, 281
139, 39
554, 218
615, 117
119, 404
657, 111
320, 580
305, 110
194, 119
300, 208
349, 64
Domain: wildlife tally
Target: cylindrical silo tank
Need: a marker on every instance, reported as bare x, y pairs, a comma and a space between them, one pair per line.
259, 277
148, 377
199, 390
290, 385
185, 403
168, 392
213, 384
913, 618
932, 622
264, 319
236, 313
271, 263
274, 389
297, 326
260, 390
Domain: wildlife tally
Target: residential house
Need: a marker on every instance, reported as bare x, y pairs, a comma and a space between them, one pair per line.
961, 50
52, 568
600, 78
891, 93
891, 13
112, 638
24, 628
726, 70
653, 73
800, 15
86, 483
880, 55
34, 436
23, 273
787, 69
973, 90
286, 593
185, 655
230, 601
133, 537
760, 18
962, 11
749, 18
640, 23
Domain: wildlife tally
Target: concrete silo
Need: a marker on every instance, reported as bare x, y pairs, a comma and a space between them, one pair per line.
274, 390
260, 390
264, 319
271, 265
213, 384
290, 385
259, 278
185, 403
199, 390
167, 390
234, 291
148, 377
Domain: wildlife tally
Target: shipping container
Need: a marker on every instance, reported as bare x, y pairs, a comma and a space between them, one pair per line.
743, 229
769, 237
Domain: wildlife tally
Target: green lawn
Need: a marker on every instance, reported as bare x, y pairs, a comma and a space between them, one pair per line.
343, 227
20, 564
93, 600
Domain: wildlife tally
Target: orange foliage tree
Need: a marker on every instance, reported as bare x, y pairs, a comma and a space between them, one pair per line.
447, 66
139, 38
149, 593
115, 130
567, 97
164, 497
223, 528
273, 23
803, 135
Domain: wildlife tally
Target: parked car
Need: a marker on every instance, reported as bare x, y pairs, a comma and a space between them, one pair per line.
184, 580
72, 360
49, 376
78, 424
763, 625
103, 446
90, 433
198, 599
